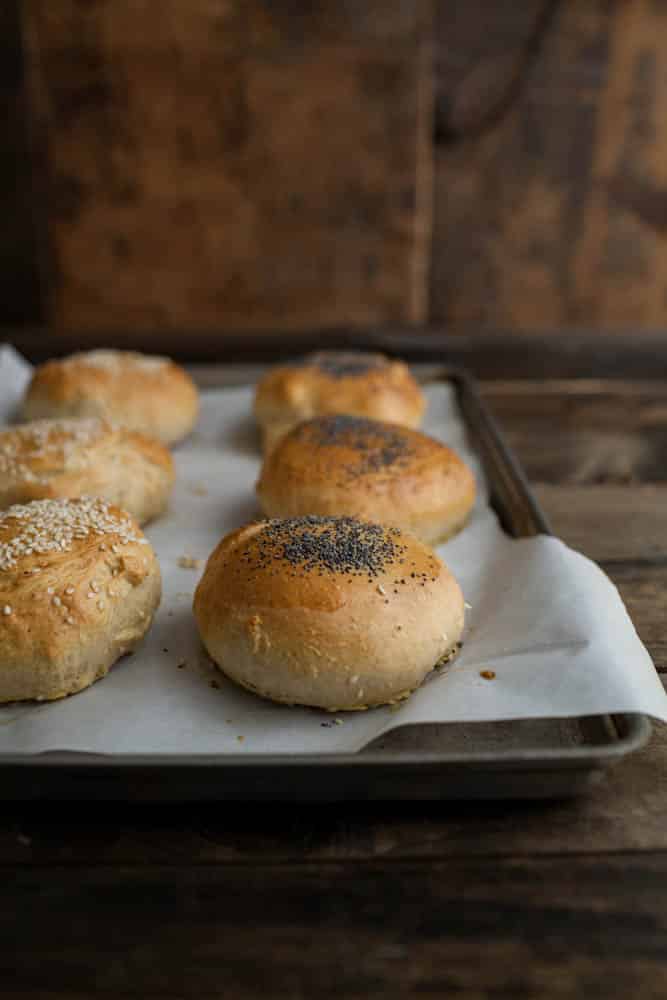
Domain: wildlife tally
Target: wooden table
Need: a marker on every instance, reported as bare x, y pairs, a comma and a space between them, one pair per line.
557, 900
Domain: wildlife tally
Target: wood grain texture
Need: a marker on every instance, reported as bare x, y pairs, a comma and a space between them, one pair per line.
20, 289
585, 431
231, 164
473, 928
556, 216
625, 812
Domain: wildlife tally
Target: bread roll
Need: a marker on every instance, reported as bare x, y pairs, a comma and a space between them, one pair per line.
341, 465
328, 612
148, 394
361, 384
79, 585
67, 458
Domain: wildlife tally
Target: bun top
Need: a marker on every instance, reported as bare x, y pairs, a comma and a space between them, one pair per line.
45, 532
344, 364
361, 384
115, 362
350, 448
316, 563
37, 451
145, 393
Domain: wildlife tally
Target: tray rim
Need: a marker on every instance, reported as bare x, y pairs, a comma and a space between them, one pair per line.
632, 730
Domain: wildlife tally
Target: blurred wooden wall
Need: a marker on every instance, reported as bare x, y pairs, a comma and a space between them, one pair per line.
256, 164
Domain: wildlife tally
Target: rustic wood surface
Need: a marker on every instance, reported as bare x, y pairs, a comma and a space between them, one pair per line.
555, 900
235, 164
555, 214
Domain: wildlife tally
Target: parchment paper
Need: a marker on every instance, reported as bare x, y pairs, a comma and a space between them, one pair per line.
544, 618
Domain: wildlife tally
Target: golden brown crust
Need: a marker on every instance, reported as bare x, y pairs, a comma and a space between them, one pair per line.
363, 385
341, 465
67, 458
79, 585
148, 394
327, 612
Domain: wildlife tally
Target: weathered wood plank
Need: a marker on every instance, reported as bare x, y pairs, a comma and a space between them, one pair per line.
20, 295
550, 927
556, 216
234, 164
585, 431
625, 812
610, 523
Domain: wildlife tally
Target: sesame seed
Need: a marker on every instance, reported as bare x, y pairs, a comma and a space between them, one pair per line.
95, 587
69, 590
189, 562
90, 594
49, 590
56, 601
7, 610
70, 620
47, 526
100, 605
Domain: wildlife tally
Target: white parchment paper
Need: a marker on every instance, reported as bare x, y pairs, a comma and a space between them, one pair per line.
544, 618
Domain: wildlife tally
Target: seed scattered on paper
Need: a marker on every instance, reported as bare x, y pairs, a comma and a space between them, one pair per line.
189, 562
488, 675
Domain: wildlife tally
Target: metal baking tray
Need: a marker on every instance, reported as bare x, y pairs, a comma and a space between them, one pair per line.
547, 758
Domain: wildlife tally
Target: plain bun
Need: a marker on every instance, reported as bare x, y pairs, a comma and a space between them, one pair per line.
341, 465
361, 384
79, 585
50, 459
148, 394
327, 612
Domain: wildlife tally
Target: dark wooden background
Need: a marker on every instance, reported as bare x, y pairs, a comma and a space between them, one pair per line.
245, 165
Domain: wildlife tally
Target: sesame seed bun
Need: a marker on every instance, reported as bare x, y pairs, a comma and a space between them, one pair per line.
361, 384
328, 612
341, 465
148, 394
67, 458
79, 585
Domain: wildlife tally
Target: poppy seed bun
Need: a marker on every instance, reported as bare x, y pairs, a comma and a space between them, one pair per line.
147, 394
328, 612
79, 585
363, 385
341, 465
46, 459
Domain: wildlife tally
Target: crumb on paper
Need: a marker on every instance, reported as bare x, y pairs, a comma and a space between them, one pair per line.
214, 684
189, 562
338, 722
240, 738
488, 675
181, 666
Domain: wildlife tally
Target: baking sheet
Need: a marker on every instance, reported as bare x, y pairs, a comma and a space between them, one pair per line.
546, 620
